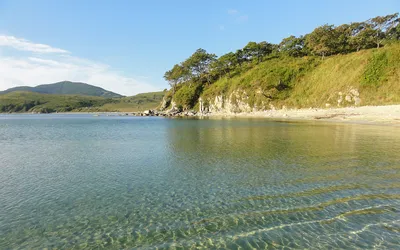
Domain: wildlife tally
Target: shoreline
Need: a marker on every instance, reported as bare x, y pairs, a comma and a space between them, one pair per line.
379, 115
374, 115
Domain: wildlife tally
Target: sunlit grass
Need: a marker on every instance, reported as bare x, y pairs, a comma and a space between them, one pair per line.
313, 82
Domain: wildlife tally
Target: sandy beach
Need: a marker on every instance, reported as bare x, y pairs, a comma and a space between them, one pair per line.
389, 114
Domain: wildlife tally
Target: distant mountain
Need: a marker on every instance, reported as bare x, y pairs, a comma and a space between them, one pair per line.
66, 88
19, 101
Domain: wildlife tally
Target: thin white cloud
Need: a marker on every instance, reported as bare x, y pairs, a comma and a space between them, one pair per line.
25, 45
243, 18
47, 62
34, 69
233, 12
240, 18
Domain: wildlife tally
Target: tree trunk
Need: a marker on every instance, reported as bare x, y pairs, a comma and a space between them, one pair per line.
377, 38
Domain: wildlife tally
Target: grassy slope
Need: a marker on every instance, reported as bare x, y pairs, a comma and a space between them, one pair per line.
312, 82
30, 101
138, 102
338, 73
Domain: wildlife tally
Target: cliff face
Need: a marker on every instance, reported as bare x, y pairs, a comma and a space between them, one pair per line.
236, 102
369, 77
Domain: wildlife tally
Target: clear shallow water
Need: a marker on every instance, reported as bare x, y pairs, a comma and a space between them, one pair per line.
78, 181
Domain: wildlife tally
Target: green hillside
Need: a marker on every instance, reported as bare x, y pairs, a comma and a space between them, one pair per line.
374, 72
313, 82
66, 88
138, 102
48, 103
347, 65
45, 103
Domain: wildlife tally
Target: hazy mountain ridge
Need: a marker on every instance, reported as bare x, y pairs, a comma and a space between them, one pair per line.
32, 102
66, 88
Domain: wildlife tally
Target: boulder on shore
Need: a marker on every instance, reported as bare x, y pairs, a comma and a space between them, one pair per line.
148, 112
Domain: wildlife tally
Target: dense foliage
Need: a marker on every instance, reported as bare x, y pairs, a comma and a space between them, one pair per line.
375, 69
202, 69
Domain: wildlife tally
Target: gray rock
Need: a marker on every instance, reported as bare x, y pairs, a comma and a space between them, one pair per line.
201, 105
166, 101
357, 100
354, 92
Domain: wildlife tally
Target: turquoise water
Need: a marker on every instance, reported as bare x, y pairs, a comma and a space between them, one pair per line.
78, 181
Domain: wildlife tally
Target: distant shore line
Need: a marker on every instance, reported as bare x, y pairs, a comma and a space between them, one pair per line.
388, 114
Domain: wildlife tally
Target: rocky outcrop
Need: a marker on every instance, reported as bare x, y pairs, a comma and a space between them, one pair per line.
351, 96
239, 101
148, 112
174, 112
202, 107
166, 101
236, 102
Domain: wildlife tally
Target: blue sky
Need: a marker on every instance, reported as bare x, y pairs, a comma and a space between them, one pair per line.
126, 46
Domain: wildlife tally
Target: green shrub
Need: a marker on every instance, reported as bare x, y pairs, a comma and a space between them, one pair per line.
375, 69
187, 95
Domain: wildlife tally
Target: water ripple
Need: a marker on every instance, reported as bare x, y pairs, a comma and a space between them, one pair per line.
83, 182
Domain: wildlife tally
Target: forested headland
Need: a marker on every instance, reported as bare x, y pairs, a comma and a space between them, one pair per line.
349, 64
